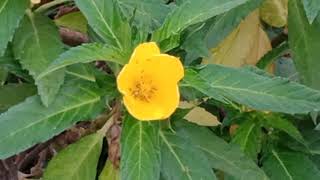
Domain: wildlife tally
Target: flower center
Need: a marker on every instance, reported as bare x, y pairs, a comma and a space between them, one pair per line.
143, 88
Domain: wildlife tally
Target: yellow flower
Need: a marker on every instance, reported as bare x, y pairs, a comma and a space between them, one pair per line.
149, 83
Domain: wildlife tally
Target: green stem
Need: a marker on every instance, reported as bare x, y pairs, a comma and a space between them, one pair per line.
50, 5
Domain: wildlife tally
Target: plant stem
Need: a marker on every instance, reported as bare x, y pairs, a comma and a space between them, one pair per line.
50, 5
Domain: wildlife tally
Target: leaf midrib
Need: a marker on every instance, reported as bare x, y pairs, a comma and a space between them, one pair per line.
174, 154
3, 6
51, 115
275, 154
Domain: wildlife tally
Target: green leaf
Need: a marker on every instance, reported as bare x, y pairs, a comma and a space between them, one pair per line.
74, 20
182, 160
277, 122
256, 91
304, 41
11, 12
289, 166
109, 172
148, 14
36, 50
312, 8
10, 64
249, 137
272, 56
79, 160
11, 94
83, 71
221, 155
105, 19
192, 12
84, 54
3, 75
30, 122
140, 153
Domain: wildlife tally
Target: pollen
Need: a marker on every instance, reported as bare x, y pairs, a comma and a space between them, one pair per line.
143, 88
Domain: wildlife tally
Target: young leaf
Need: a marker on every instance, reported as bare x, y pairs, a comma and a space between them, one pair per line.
312, 8
284, 125
140, 156
11, 94
148, 14
11, 12
289, 166
36, 50
84, 54
253, 90
192, 12
30, 122
222, 156
249, 137
109, 172
105, 19
79, 160
304, 41
181, 160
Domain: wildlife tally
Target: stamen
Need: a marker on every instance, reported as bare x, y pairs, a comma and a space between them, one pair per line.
143, 89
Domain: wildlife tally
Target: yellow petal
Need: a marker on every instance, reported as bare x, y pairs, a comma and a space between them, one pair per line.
165, 67
160, 108
144, 51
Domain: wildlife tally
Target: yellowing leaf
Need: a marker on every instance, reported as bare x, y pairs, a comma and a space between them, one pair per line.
109, 172
202, 117
245, 45
274, 12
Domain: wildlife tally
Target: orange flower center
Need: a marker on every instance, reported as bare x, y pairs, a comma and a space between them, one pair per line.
143, 88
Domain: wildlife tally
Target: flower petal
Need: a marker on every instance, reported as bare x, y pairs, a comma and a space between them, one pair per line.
160, 108
144, 51
165, 67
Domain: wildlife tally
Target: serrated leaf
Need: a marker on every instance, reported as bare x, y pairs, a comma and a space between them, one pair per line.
284, 125
312, 8
274, 12
11, 94
29, 122
253, 90
109, 172
11, 12
304, 41
289, 166
245, 45
202, 117
82, 71
36, 50
181, 160
140, 151
73, 20
192, 12
105, 19
249, 136
221, 155
84, 54
79, 160
148, 14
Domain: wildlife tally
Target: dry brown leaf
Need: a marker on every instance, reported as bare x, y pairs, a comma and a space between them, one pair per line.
202, 117
245, 45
